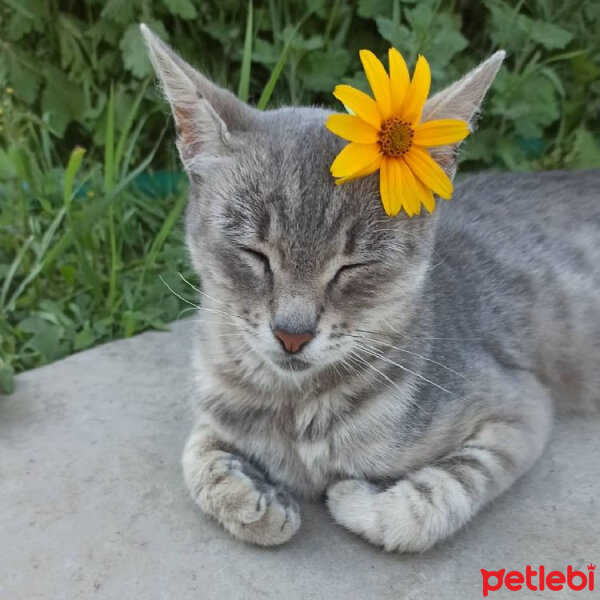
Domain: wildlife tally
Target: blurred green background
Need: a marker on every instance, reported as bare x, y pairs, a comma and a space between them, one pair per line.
91, 194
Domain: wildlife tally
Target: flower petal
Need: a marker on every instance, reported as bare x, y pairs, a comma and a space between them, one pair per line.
352, 128
391, 187
359, 103
411, 194
419, 193
417, 92
427, 198
353, 158
378, 80
440, 132
428, 171
370, 168
399, 80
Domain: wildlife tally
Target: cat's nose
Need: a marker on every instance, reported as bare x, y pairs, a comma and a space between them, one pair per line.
293, 342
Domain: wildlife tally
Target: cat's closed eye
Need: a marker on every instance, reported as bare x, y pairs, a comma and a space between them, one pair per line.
350, 269
257, 258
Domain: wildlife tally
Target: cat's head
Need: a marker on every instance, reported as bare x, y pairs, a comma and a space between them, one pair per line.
296, 267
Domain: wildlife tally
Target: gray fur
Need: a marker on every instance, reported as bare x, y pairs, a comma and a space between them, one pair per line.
428, 388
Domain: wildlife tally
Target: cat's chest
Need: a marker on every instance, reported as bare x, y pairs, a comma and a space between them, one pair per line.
324, 440
296, 443
312, 441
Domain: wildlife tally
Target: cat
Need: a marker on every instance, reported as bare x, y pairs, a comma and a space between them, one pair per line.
404, 368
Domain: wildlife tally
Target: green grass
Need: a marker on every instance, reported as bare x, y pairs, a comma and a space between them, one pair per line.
91, 198
84, 254
89, 257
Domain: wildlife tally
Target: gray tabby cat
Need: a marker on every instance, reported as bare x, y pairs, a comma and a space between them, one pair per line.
404, 367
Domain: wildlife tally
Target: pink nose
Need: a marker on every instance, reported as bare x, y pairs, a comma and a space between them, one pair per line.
292, 342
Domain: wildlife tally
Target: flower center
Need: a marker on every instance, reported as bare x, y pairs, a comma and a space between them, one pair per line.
395, 137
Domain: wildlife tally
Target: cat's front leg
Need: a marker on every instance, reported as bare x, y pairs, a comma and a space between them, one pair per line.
228, 487
433, 502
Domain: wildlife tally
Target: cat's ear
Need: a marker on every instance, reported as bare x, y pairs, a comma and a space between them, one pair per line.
206, 116
462, 100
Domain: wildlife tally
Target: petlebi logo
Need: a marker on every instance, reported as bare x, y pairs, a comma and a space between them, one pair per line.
538, 580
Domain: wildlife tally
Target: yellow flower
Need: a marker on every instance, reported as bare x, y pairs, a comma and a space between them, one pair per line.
386, 134
9, 91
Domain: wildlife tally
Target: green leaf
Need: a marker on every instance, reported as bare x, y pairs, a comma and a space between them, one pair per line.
120, 11
585, 153
444, 44
480, 146
19, 25
370, 9
528, 102
134, 53
7, 380
182, 8
320, 71
265, 53
47, 342
547, 34
302, 43
398, 36
21, 7
84, 339
7, 168
24, 80
70, 37
62, 100
46, 336
502, 29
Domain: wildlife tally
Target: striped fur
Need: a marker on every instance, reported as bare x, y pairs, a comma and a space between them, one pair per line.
429, 386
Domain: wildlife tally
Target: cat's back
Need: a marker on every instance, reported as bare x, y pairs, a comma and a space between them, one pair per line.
524, 206
520, 257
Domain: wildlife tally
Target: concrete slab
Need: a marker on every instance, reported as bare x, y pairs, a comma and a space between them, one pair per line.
92, 503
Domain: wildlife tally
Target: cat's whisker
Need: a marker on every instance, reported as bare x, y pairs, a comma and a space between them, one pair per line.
337, 371
354, 371
197, 306
210, 322
410, 402
373, 351
441, 262
224, 335
419, 338
435, 362
199, 291
221, 312
185, 310
177, 294
373, 367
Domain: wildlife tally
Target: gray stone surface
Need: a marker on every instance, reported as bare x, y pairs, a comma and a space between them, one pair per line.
92, 503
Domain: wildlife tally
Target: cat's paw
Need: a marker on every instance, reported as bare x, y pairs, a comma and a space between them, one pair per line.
353, 504
279, 519
404, 517
249, 507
